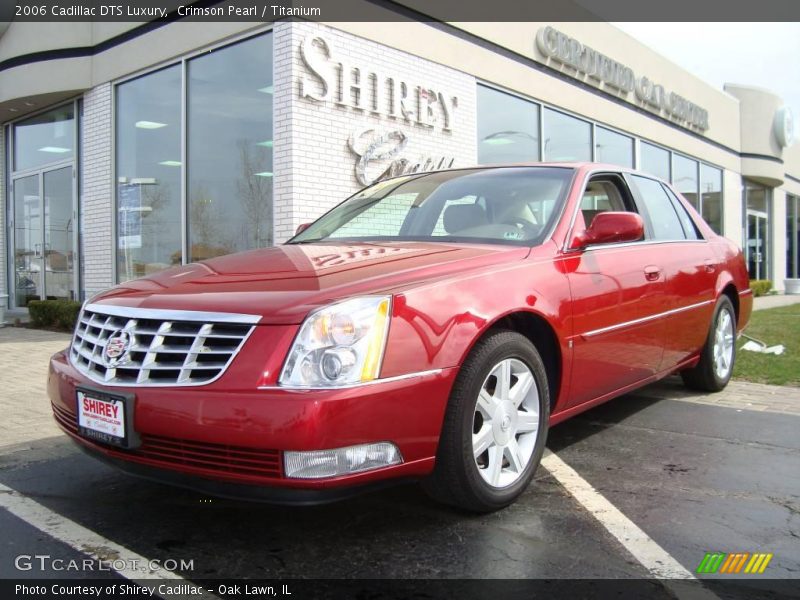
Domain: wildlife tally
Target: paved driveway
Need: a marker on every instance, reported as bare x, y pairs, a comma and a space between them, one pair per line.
681, 472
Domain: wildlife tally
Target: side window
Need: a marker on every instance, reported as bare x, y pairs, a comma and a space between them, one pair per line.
663, 218
600, 196
689, 228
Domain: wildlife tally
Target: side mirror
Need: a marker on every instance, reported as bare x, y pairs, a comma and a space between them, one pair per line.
611, 228
301, 228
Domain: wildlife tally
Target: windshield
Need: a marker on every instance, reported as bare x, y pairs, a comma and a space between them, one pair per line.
508, 205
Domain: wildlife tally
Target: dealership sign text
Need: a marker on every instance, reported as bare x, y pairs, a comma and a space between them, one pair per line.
367, 89
588, 62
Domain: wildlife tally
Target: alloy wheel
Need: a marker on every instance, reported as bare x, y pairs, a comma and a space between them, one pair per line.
505, 423
723, 344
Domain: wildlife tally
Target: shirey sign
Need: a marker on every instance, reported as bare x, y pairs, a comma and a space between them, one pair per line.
363, 89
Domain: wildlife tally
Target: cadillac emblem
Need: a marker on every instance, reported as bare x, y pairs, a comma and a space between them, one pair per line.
115, 352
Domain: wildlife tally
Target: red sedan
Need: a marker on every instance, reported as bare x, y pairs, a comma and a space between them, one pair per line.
433, 326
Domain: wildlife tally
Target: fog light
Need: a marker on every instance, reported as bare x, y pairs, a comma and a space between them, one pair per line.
340, 461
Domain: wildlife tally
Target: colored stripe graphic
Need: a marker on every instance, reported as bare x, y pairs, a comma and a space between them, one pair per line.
741, 562
758, 563
711, 562
733, 563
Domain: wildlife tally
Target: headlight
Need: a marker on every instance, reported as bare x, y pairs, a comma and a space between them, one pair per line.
339, 345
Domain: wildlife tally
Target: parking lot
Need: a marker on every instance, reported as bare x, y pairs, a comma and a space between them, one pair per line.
641, 487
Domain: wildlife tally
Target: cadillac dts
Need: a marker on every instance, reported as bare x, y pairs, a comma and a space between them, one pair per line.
431, 327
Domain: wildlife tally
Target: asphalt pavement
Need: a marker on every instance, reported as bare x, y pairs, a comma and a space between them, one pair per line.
692, 474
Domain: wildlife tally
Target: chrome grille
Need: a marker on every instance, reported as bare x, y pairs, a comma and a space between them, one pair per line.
164, 347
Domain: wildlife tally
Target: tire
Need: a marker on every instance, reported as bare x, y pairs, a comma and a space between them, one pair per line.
718, 356
483, 413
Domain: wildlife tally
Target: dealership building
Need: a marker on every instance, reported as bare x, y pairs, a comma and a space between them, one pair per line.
126, 148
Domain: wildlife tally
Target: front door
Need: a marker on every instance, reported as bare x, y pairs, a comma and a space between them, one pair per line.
44, 236
617, 290
757, 251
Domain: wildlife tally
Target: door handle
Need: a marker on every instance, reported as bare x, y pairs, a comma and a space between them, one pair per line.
652, 273
710, 265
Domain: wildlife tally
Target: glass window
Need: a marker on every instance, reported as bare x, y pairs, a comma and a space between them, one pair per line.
689, 228
792, 236
228, 146
598, 197
711, 196
613, 148
27, 238
663, 218
45, 138
756, 196
508, 128
654, 160
684, 178
148, 161
439, 228
384, 218
514, 205
229, 149
566, 138
758, 242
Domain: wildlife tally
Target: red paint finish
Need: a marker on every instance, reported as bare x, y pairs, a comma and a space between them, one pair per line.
622, 315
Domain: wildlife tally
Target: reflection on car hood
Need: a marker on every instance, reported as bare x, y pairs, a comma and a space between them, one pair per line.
282, 284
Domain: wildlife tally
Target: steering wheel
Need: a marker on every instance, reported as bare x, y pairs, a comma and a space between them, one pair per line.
531, 229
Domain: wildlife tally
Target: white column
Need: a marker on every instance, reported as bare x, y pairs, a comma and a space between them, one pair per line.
283, 211
778, 234
97, 191
732, 211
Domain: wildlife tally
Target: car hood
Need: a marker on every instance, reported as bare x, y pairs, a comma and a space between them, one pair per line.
282, 284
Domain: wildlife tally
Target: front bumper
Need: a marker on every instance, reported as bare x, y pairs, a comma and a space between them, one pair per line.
225, 440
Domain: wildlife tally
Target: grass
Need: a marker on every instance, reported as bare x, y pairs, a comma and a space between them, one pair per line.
773, 326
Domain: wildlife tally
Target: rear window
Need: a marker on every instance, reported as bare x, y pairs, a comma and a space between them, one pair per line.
664, 220
689, 228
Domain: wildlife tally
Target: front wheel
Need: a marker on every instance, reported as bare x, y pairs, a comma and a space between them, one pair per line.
718, 356
495, 427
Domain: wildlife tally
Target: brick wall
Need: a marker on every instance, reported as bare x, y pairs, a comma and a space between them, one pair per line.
314, 165
97, 192
283, 155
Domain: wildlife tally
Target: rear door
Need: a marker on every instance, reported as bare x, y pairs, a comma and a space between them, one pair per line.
616, 290
689, 267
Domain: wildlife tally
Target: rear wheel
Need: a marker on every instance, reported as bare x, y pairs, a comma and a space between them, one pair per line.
718, 356
495, 427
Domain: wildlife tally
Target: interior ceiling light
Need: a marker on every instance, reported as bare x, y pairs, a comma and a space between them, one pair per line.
264, 174
150, 125
267, 90
54, 149
498, 141
170, 163
502, 138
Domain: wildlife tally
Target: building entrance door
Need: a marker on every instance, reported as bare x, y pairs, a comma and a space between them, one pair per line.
757, 250
44, 235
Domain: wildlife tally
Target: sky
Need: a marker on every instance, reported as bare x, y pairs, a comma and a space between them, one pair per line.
765, 55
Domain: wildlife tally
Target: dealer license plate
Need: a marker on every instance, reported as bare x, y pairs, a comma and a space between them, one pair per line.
102, 418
